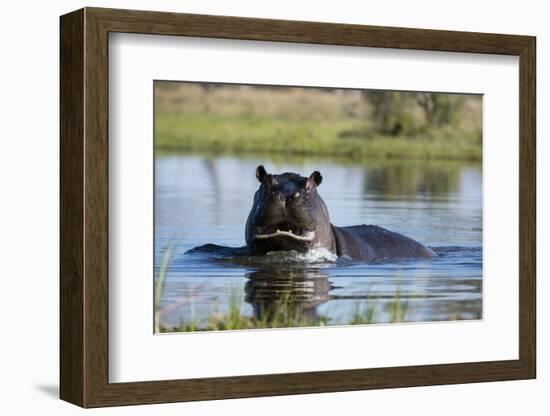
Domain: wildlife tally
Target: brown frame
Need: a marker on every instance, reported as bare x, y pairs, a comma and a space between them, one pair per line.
84, 207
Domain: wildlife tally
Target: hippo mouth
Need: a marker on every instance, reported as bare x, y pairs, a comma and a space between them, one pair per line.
285, 231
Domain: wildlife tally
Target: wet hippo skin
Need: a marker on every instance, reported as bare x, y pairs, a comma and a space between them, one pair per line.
289, 214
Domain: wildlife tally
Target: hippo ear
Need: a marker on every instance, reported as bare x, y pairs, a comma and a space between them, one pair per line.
315, 179
264, 177
261, 173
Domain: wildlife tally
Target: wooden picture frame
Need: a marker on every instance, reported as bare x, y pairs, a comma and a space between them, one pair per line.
84, 207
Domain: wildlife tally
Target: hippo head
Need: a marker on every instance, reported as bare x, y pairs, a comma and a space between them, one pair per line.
288, 214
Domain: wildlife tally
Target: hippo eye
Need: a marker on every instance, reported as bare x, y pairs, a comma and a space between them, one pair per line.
296, 195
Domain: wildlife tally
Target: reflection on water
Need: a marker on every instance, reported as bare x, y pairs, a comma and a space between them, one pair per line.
413, 180
201, 200
288, 294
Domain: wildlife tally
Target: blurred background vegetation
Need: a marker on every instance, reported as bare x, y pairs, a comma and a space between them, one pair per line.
352, 124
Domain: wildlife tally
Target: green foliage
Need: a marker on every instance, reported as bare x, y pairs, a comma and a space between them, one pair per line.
409, 114
286, 315
159, 283
364, 313
398, 308
206, 133
440, 109
336, 123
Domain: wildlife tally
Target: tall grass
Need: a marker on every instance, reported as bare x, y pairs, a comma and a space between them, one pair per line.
365, 312
159, 284
398, 308
285, 314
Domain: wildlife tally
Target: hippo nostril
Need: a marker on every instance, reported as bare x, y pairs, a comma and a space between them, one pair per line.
292, 197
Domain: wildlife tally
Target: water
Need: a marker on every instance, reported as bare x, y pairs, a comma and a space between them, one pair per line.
201, 199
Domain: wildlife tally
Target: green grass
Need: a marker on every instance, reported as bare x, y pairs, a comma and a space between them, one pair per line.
159, 284
357, 125
283, 314
195, 132
365, 313
398, 308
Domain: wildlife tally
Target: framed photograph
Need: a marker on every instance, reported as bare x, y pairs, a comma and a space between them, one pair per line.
255, 207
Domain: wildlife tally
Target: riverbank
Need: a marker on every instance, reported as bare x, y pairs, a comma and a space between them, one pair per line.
344, 139
350, 124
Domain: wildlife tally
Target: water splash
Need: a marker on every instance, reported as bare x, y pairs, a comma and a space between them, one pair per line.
240, 255
312, 256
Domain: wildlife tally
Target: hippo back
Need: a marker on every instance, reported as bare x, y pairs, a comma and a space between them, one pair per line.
373, 243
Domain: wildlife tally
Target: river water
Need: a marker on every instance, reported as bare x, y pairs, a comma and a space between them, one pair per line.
206, 199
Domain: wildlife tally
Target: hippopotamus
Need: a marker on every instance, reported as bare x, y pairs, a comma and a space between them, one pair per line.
289, 214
